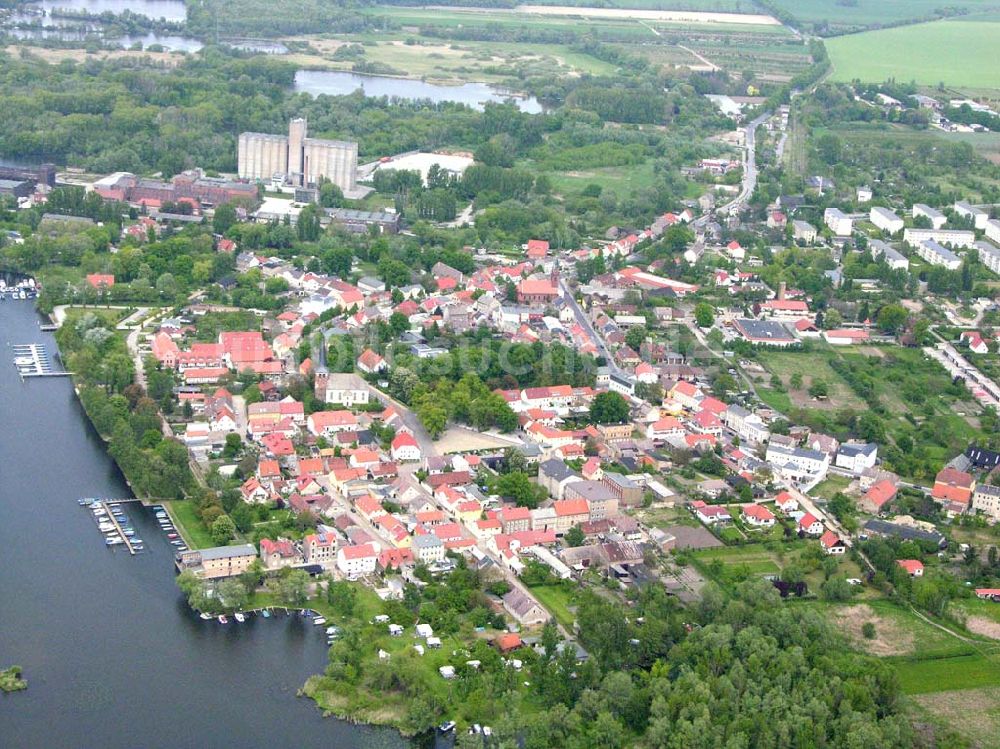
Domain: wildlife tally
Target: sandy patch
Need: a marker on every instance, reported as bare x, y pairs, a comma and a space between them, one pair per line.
81, 55
890, 638
983, 626
460, 439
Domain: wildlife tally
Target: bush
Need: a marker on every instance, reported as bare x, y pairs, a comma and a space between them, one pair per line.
868, 630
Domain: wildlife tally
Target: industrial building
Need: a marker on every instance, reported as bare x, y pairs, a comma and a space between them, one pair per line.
359, 221
191, 186
296, 159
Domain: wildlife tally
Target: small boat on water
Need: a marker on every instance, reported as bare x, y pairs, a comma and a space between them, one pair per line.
172, 536
266, 614
206, 616
106, 527
113, 541
240, 616
223, 619
319, 620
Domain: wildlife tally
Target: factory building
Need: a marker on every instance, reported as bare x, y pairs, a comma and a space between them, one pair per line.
297, 159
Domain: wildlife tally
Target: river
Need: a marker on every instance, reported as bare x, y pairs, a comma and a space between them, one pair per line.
112, 654
339, 83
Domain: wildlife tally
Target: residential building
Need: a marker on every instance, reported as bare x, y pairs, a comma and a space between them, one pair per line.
803, 462
986, 499
936, 254
218, 561
765, 332
914, 567
626, 491
885, 220
355, 561
935, 216
832, 544
839, 222
856, 457
555, 476
404, 448
952, 237
803, 231
574, 511
952, 485
989, 255
758, 516
978, 215
878, 496
992, 229
525, 609
277, 554
749, 427
320, 548
428, 548
809, 525
893, 258
536, 291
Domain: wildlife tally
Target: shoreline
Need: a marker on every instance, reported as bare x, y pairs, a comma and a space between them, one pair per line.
307, 689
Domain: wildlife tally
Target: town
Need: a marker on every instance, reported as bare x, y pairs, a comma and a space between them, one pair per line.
515, 449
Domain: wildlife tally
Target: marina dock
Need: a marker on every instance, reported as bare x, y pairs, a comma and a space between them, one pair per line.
118, 528
32, 360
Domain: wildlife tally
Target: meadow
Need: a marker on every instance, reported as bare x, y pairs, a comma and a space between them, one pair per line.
956, 53
872, 12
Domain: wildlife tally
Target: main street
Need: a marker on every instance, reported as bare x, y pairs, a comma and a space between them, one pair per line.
584, 322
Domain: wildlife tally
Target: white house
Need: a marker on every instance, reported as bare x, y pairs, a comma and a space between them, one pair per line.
355, 561
864, 194
404, 448
893, 258
989, 255
748, 426
936, 254
810, 525
758, 516
857, 456
797, 463
803, 230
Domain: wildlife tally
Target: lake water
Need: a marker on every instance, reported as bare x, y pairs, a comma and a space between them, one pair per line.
169, 10
339, 83
112, 653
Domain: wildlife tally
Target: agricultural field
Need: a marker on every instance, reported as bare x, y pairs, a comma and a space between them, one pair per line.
961, 54
971, 713
841, 16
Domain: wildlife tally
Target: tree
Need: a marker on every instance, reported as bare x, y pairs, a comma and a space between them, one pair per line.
892, 318
818, 389
704, 315
224, 218
575, 536
514, 460
330, 195
293, 587
232, 594
635, 337
223, 529
795, 380
609, 408
519, 487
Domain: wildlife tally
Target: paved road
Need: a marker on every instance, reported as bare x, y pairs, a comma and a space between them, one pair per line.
749, 172
584, 322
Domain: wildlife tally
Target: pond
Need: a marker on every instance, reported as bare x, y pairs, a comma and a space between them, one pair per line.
339, 83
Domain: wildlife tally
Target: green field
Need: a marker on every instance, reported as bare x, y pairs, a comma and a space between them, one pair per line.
956, 53
810, 367
620, 180
188, 525
558, 599
873, 12
944, 674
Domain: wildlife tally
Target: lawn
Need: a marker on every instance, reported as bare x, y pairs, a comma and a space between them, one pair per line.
830, 486
621, 180
923, 676
558, 599
194, 533
956, 53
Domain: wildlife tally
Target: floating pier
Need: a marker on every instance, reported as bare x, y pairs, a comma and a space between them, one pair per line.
32, 360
